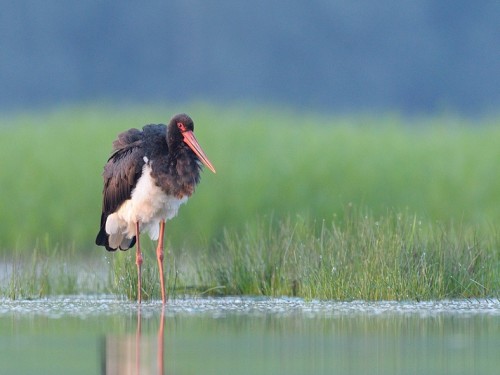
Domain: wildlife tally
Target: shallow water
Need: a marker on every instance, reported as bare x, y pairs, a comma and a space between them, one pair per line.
100, 334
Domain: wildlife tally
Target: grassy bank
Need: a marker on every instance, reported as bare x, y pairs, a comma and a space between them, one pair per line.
395, 208
396, 256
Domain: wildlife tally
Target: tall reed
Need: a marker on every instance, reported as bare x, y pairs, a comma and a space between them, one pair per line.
396, 256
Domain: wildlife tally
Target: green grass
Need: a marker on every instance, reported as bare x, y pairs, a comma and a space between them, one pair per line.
430, 188
49, 270
392, 257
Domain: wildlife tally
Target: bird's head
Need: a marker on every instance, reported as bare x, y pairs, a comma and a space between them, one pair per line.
180, 129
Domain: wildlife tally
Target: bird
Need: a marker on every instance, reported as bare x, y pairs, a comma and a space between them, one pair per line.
149, 175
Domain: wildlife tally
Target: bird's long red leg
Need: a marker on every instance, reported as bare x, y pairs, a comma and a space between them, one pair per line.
138, 261
159, 256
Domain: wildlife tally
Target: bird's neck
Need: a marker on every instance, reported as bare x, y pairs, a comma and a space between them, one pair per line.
178, 173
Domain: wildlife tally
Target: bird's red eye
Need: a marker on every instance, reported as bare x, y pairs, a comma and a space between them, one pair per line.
181, 127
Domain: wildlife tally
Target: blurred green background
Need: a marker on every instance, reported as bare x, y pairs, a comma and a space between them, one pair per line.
269, 162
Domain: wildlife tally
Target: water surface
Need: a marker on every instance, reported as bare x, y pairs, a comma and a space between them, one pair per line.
101, 334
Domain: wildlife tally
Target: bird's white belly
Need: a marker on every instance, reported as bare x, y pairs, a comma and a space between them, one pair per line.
148, 205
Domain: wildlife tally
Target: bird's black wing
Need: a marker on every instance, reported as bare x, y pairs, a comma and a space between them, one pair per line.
121, 173
123, 169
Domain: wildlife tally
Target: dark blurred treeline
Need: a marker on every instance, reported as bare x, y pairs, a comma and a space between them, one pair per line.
414, 56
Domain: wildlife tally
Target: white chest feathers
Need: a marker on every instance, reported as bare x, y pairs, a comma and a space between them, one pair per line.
148, 205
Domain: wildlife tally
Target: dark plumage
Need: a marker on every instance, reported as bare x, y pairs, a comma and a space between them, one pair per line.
148, 176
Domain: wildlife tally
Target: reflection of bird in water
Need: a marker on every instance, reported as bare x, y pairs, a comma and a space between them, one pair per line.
134, 353
146, 179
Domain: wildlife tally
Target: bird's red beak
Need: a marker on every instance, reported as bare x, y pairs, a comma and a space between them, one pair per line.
191, 141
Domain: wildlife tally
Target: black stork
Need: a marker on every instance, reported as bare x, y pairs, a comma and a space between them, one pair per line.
148, 176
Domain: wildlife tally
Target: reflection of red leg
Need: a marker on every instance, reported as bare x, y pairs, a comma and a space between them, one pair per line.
138, 261
160, 341
159, 255
138, 342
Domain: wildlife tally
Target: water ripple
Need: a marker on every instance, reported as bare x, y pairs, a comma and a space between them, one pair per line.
88, 306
